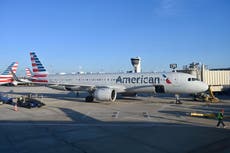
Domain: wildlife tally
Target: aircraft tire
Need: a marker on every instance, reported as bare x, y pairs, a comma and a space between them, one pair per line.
89, 99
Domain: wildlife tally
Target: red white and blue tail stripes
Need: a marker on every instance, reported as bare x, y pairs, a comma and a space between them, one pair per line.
28, 73
39, 72
6, 76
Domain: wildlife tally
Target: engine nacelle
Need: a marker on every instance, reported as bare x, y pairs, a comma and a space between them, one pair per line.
105, 94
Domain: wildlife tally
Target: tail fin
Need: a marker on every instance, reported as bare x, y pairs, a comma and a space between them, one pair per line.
6, 76
40, 74
13, 67
28, 73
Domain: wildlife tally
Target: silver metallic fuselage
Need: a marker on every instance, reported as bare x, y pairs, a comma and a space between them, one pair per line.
171, 82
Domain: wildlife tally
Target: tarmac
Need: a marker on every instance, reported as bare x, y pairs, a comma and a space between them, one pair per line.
68, 124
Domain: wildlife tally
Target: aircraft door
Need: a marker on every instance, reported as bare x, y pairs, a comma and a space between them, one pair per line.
159, 89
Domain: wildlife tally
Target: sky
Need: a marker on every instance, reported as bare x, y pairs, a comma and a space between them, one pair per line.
102, 35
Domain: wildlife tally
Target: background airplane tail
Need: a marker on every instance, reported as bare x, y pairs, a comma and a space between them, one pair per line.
40, 75
28, 73
6, 76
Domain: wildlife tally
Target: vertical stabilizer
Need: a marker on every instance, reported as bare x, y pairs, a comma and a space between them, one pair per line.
7, 77
39, 72
28, 73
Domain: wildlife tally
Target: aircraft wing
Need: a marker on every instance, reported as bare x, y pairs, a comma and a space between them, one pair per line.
84, 87
71, 87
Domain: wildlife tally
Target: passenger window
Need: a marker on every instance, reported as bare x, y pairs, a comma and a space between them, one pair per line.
189, 79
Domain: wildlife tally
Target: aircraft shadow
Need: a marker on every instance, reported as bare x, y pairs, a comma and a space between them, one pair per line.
84, 133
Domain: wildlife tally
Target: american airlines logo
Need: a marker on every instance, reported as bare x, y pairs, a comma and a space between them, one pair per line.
166, 79
138, 80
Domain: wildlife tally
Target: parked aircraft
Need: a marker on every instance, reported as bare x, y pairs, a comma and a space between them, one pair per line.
106, 86
6, 77
29, 79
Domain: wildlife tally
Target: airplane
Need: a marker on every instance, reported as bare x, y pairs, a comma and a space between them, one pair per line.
6, 77
29, 79
106, 86
33, 77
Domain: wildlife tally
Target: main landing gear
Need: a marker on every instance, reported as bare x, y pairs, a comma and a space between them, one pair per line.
89, 98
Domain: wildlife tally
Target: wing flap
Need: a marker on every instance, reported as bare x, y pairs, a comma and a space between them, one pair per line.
71, 87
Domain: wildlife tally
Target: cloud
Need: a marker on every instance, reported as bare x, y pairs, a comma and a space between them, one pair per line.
167, 7
167, 4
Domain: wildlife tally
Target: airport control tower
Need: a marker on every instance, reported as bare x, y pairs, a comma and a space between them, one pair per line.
136, 62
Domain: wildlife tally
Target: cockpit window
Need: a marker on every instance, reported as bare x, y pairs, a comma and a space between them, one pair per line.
193, 79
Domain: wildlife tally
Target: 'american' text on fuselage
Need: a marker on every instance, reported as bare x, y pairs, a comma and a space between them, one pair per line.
138, 80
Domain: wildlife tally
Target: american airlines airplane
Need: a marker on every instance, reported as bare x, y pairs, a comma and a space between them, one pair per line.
6, 77
105, 87
28, 79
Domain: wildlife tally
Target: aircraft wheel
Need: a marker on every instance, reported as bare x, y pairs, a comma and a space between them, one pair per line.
89, 99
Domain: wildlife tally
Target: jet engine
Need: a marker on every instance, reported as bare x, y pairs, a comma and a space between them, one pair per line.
105, 94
